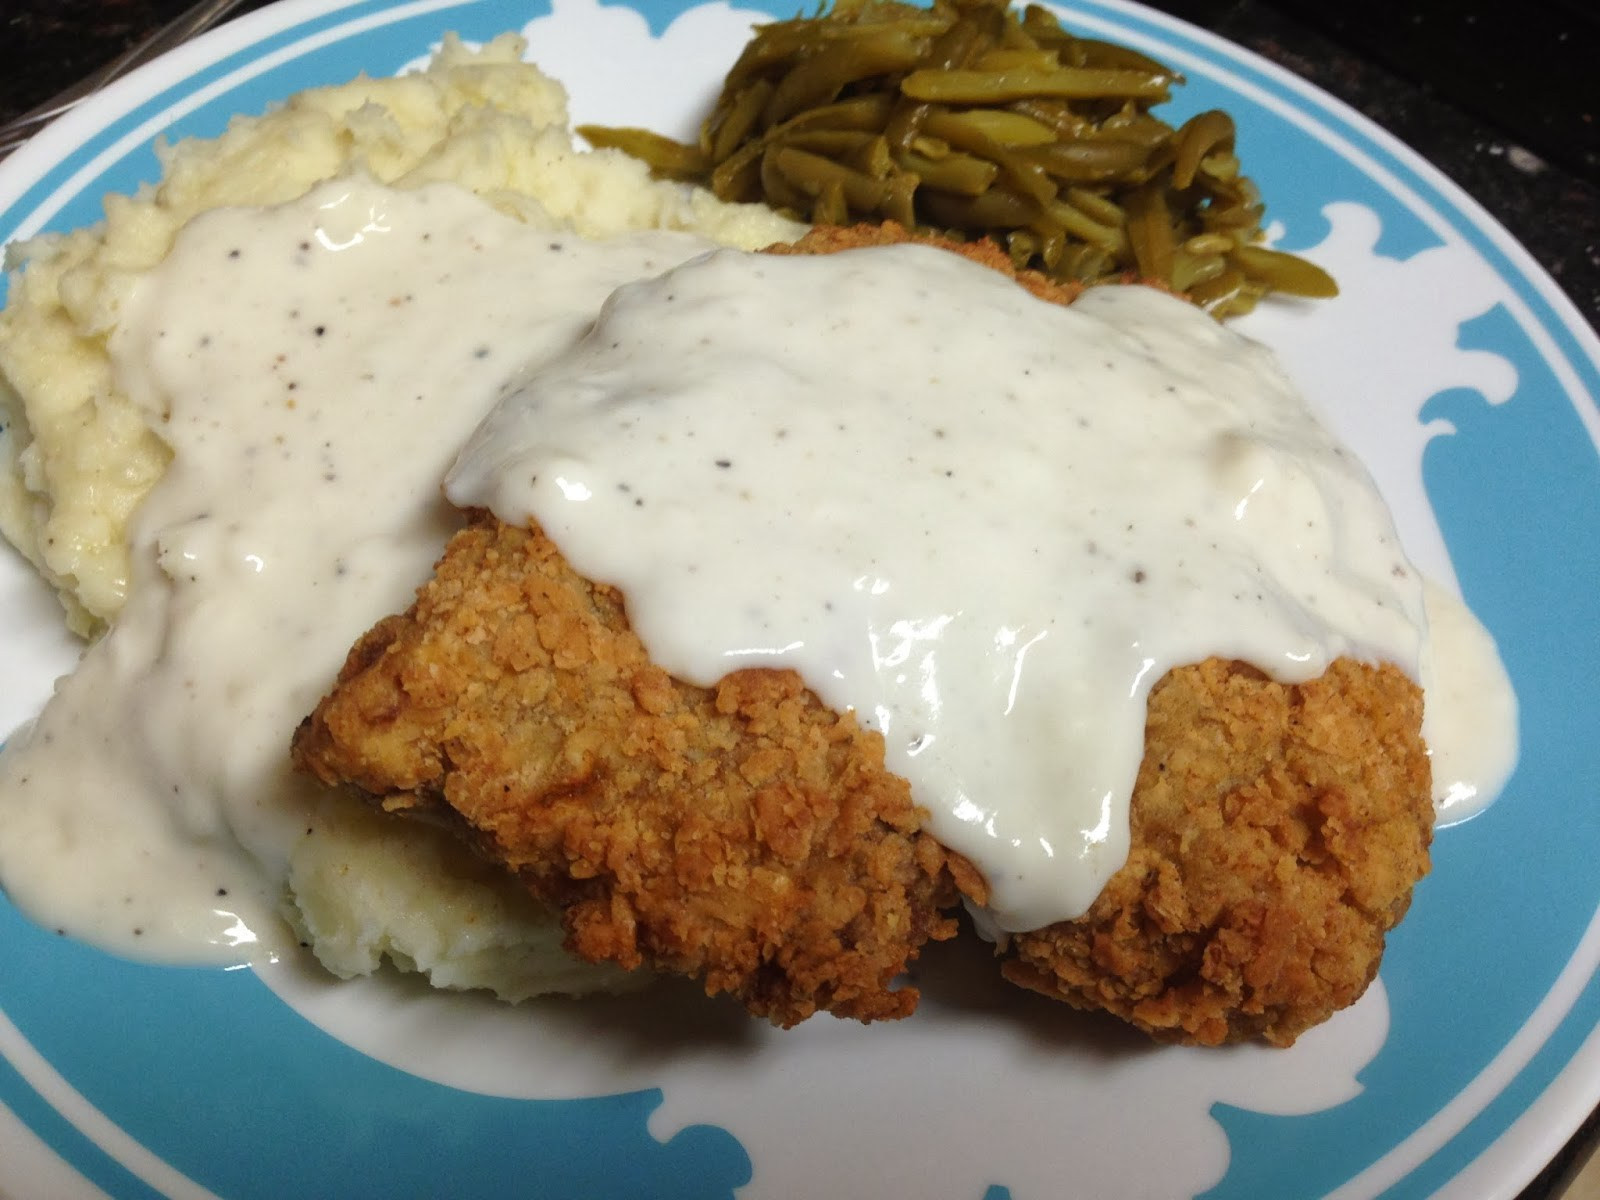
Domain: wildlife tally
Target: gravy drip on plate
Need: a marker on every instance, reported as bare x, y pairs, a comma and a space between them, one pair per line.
1469, 718
314, 368
985, 523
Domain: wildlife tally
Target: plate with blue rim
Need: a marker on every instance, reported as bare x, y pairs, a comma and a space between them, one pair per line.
1450, 362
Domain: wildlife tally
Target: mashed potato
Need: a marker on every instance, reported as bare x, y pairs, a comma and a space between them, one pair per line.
366, 888
77, 456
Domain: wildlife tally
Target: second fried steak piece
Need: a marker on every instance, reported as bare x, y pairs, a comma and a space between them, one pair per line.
744, 834
1276, 832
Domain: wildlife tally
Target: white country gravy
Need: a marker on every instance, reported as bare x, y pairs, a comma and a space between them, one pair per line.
985, 523
1469, 719
315, 368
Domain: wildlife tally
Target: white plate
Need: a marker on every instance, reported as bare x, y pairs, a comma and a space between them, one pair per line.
1451, 363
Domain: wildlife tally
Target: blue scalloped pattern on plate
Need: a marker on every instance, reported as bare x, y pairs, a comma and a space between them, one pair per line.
1512, 899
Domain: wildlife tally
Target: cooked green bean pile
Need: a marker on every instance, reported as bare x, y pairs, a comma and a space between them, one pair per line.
969, 120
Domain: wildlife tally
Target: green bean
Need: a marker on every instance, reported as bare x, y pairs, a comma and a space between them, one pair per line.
969, 120
996, 208
1089, 162
874, 158
960, 173
778, 188
958, 45
1133, 126
1196, 138
1203, 244
1025, 175
1121, 58
904, 125
1284, 272
1052, 114
859, 149
811, 174
830, 208
1220, 167
1085, 263
1001, 87
737, 177
1025, 246
1044, 30
821, 77
953, 48
1081, 225
1014, 37
1086, 52
1013, 60
735, 122
1189, 272
1150, 233
1003, 127
780, 41
1222, 290
836, 143
1055, 245
667, 158
858, 112
900, 204
1232, 216
1102, 209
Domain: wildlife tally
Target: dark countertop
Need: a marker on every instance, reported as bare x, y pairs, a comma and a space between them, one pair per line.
1506, 120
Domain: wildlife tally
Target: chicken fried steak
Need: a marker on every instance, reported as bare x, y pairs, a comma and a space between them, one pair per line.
1277, 832
749, 836
745, 835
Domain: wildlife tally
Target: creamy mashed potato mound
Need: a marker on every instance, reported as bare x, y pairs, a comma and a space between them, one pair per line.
77, 456
368, 888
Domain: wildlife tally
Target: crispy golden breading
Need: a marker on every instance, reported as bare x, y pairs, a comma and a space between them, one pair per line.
748, 836
745, 835
1277, 831
830, 239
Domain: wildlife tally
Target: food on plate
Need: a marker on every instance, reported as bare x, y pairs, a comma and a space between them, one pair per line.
788, 598
215, 642
76, 457
971, 120
1277, 826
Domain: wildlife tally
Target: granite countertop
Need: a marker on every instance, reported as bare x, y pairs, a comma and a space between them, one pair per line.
1496, 125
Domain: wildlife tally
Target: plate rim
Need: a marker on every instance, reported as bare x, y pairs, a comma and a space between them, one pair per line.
1564, 322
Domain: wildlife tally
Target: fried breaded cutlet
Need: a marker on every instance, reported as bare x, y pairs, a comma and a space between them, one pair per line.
1276, 831
745, 835
750, 837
